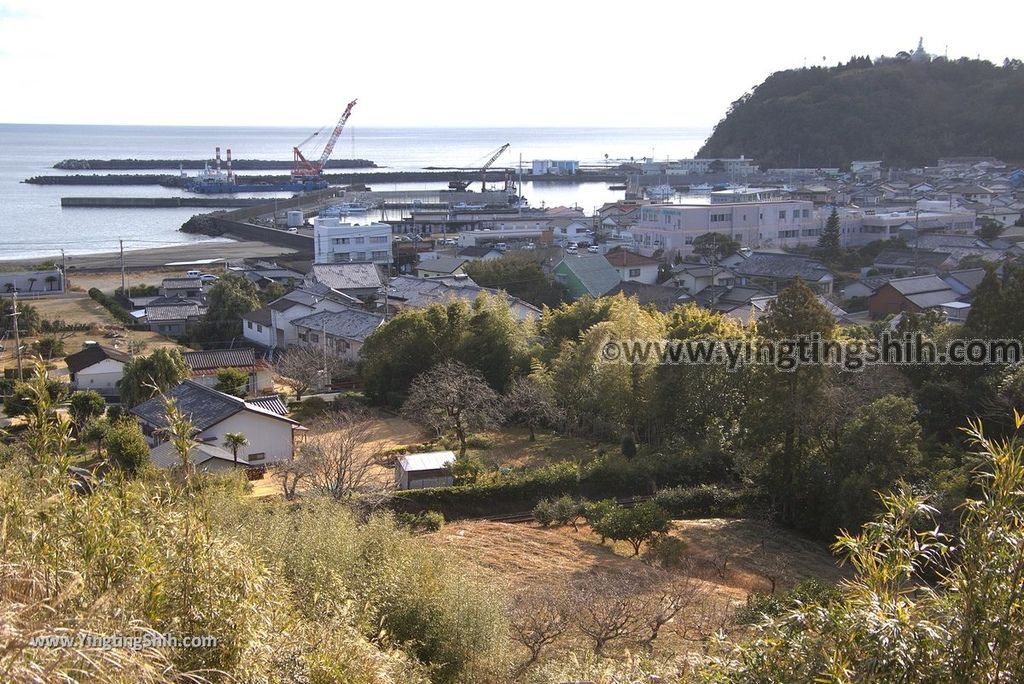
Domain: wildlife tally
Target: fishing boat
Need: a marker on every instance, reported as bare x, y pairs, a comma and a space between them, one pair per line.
346, 209
702, 187
660, 192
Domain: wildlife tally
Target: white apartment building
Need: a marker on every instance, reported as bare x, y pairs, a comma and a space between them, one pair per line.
777, 223
336, 242
733, 167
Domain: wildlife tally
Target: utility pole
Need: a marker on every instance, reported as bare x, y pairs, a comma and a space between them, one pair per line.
17, 336
323, 341
63, 272
124, 292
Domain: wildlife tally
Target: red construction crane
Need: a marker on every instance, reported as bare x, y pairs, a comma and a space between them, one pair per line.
462, 185
303, 168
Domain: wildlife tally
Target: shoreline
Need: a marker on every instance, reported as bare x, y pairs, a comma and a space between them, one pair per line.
158, 257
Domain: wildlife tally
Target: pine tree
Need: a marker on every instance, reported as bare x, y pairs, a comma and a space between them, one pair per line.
828, 241
987, 313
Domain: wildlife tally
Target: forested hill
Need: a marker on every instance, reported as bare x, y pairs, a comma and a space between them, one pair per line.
905, 113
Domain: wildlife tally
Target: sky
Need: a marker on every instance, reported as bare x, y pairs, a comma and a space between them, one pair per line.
449, 63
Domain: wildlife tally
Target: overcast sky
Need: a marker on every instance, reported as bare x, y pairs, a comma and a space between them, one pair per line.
446, 63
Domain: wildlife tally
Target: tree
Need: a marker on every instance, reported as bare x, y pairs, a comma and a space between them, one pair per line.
28, 318
235, 441
518, 275
452, 397
879, 447
25, 395
146, 376
340, 458
95, 431
126, 446
604, 608
987, 315
530, 401
634, 525
85, 406
539, 618
990, 229
303, 368
716, 166
922, 606
713, 247
828, 241
230, 298
232, 381
628, 447
49, 347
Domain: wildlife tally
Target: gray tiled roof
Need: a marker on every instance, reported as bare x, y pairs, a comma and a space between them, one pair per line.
220, 358
261, 316
164, 455
441, 264
422, 292
204, 406
771, 265
351, 324
181, 283
357, 275
271, 402
173, 312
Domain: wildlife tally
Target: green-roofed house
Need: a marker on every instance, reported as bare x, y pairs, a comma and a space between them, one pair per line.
583, 275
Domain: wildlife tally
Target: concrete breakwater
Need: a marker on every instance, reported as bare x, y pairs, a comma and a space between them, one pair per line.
160, 202
176, 181
196, 164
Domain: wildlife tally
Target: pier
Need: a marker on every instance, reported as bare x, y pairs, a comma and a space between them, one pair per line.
160, 202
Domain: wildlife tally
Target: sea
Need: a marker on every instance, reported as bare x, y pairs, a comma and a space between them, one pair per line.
33, 224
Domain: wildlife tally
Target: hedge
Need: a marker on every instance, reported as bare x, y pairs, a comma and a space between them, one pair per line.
676, 478
111, 305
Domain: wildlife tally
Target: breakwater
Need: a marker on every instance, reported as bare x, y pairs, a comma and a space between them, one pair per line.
159, 202
176, 181
196, 164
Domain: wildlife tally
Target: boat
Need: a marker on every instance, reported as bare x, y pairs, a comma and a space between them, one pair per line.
702, 187
462, 206
345, 209
617, 186
660, 191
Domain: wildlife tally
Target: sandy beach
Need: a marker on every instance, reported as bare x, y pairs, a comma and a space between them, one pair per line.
199, 253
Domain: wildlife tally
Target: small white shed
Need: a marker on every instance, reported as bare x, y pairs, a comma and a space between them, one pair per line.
430, 469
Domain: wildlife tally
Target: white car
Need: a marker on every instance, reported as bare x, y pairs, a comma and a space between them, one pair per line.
193, 274
593, 249
571, 250
207, 277
529, 246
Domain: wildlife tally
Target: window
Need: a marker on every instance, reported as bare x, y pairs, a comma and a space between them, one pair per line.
360, 240
313, 337
806, 213
378, 239
250, 324
259, 328
254, 458
782, 215
634, 273
719, 218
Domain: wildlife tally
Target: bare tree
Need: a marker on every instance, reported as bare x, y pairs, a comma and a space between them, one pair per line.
340, 460
531, 403
451, 396
289, 474
665, 602
604, 609
539, 618
303, 368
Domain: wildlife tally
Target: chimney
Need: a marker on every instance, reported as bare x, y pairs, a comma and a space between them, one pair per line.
218, 161
230, 175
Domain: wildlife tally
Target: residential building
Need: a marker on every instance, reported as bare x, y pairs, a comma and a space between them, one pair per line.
583, 275
669, 229
479, 253
663, 297
361, 280
965, 282
181, 288
912, 261
732, 167
440, 267
173, 318
410, 292
555, 167
775, 271
214, 414
692, 278
204, 366
915, 294
341, 333
272, 326
431, 469
207, 458
337, 242
633, 266
97, 368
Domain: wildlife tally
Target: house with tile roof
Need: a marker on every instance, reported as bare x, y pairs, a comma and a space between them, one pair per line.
775, 271
410, 292
98, 368
916, 294
213, 414
440, 266
359, 279
271, 326
633, 266
342, 332
173, 317
204, 366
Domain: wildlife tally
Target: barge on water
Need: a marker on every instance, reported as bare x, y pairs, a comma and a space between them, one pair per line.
217, 182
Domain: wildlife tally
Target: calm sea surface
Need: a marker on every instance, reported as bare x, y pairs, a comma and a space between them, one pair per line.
33, 224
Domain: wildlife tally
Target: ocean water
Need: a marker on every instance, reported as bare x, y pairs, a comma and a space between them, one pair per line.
33, 224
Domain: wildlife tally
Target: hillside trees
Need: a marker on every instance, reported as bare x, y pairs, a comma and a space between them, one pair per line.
146, 376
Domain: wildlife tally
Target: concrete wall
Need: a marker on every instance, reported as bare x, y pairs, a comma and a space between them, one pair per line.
102, 377
266, 435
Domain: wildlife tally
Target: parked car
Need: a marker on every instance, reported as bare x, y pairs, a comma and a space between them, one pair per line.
593, 249
529, 246
574, 245
500, 246
193, 274
207, 277
571, 250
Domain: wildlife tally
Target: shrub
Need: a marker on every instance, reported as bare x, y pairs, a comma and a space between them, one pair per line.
127, 447
703, 501
666, 551
111, 305
628, 447
760, 605
544, 512
478, 441
49, 347
427, 521
634, 525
